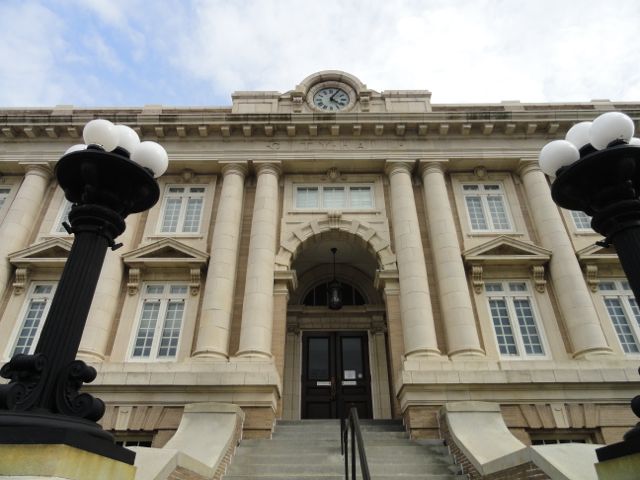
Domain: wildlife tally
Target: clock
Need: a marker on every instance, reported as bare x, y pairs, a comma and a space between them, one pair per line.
331, 99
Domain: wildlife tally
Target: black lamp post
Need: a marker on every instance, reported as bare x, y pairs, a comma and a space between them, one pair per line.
335, 287
42, 404
597, 171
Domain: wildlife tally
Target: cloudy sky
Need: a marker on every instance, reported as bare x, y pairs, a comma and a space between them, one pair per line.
197, 52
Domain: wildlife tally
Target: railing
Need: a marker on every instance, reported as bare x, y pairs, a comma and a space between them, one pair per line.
350, 427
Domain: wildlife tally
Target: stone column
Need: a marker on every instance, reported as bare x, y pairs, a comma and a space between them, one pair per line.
415, 305
455, 300
21, 217
104, 307
583, 325
257, 312
212, 340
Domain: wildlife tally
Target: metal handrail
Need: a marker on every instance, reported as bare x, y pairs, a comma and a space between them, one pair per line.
352, 424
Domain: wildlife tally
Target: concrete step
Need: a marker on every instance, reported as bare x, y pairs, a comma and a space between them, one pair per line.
259, 457
333, 441
241, 468
341, 477
336, 428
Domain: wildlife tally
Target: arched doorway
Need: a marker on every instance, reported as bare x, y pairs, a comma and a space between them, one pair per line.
335, 359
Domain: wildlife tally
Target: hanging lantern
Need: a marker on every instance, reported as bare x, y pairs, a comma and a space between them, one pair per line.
335, 288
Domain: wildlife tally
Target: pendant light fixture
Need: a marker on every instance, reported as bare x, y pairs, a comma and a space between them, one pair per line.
335, 288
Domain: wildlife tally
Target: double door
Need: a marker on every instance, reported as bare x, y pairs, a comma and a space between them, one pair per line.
335, 374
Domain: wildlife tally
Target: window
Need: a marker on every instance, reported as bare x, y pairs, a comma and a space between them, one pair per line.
334, 197
623, 311
581, 220
486, 207
160, 321
33, 316
556, 438
5, 192
133, 440
514, 319
63, 216
182, 209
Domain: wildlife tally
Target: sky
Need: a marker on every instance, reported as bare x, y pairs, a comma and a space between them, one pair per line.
198, 52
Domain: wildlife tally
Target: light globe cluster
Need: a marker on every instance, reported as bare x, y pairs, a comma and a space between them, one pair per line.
607, 128
108, 136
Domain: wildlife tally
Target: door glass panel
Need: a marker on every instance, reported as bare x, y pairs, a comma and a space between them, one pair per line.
318, 364
352, 367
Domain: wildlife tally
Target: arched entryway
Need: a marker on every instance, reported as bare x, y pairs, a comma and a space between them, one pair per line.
335, 359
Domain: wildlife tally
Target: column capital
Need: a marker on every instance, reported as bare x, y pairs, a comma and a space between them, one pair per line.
392, 167
38, 168
234, 168
527, 165
272, 168
433, 166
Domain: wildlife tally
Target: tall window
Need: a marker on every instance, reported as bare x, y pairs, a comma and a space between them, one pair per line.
514, 319
34, 314
182, 209
581, 220
334, 196
486, 207
623, 311
63, 216
160, 321
4, 196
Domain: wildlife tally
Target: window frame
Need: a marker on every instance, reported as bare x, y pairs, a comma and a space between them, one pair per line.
577, 217
24, 309
321, 197
180, 222
623, 294
509, 296
164, 300
62, 216
8, 199
486, 211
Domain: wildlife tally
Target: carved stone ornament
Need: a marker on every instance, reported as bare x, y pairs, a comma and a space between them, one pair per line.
333, 174
22, 274
194, 286
537, 272
133, 285
592, 277
476, 277
334, 217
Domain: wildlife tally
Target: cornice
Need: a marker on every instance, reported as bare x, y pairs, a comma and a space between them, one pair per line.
527, 121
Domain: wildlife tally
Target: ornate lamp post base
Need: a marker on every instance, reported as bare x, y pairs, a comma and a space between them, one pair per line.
42, 404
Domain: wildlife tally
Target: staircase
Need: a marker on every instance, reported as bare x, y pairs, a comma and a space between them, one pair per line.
310, 450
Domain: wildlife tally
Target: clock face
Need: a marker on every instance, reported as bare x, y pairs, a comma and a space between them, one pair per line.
331, 99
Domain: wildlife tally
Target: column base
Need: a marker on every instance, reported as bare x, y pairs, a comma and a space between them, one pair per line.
204, 355
60, 461
28, 428
254, 354
592, 353
90, 356
423, 353
465, 354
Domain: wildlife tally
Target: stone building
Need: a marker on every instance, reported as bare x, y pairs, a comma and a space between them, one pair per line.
461, 279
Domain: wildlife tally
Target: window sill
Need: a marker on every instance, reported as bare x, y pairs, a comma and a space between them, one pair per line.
160, 236
494, 234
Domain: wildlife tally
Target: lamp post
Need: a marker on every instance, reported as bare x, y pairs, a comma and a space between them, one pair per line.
597, 171
106, 180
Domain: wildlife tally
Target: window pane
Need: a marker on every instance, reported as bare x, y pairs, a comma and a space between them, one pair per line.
171, 329
307, 197
528, 328
621, 323
192, 217
493, 287
606, 286
361, 197
334, 197
148, 320
63, 216
476, 215
318, 360
581, 220
171, 215
502, 327
352, 356
498, 212
32, 320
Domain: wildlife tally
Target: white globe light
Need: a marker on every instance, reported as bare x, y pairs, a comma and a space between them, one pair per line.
152, 156
610, 126
76, 148
101, 132
556, 154
127, 138
579, 134
634, 141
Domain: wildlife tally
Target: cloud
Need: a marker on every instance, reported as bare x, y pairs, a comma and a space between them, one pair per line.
135, 52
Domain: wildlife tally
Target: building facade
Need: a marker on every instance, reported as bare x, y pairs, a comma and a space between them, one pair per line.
460, 278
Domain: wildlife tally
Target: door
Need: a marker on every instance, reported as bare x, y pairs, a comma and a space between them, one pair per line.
335, 374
